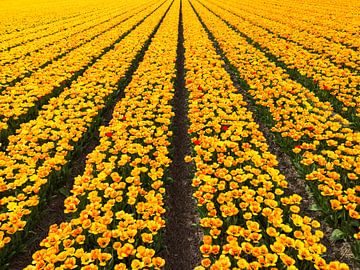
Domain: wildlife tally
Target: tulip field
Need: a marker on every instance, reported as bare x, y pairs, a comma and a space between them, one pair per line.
180, 134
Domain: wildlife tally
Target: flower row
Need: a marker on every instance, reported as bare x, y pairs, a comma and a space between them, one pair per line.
25, 45
66, 24
337, 53
20, 18
44, 145
117, 204
32, 56
317, 21
16, 101
247, 220
325, 150
339, 82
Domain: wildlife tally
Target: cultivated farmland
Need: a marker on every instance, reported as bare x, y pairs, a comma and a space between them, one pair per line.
180, 134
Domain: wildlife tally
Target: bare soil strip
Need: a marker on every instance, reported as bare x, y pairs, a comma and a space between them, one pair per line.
182, 238
336, 251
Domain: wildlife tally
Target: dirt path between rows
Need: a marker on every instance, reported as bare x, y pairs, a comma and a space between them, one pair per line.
182, 237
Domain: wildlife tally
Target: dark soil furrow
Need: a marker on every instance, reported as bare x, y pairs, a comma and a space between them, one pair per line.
338, 251
182, 238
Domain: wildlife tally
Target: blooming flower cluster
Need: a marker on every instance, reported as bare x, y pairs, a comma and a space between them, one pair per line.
16, 101
90, 17
247, 220
312, 61
18, 60
336, 21
326, 150
26, 18
117, 204
44, 145
62, 69
298, 33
